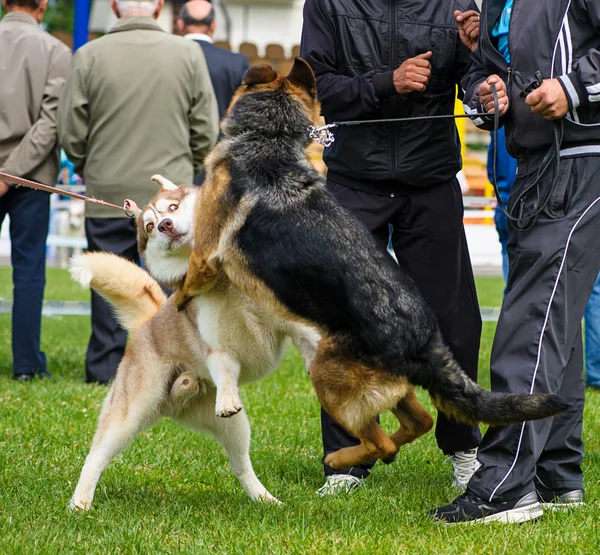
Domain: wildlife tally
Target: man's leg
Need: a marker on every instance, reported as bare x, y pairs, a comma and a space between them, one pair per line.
29, 213
430, 244
592, 338
375, 212
553, 268
107, 342
559, 467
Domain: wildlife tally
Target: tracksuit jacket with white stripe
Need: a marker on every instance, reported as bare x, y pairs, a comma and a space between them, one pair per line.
568, 49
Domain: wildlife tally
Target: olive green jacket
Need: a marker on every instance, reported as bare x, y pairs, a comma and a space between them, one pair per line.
138, 102
33, 68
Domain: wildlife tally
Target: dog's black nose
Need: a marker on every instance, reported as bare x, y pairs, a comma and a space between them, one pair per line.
166, 226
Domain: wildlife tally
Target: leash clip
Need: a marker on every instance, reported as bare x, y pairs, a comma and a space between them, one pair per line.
527, 86
322, 135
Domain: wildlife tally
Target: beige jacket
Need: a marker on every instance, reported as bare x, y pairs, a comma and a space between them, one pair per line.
138, 102
33, 69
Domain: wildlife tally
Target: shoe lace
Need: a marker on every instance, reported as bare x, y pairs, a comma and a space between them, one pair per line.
464, 464
343, 479
338, 482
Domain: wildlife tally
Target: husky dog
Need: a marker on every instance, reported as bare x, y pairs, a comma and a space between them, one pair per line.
264, 217
185, 365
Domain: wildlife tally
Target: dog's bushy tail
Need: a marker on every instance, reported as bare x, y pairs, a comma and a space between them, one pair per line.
460, 398
131, 292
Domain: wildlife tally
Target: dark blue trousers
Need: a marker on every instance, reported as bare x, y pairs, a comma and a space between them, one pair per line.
107, 342
29, 213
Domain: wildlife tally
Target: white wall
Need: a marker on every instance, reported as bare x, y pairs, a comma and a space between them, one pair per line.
102, 17
279, 23
269, 21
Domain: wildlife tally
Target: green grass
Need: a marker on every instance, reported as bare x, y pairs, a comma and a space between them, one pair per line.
172, 491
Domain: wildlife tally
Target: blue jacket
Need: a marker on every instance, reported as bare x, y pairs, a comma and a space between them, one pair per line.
506, 174
506, 166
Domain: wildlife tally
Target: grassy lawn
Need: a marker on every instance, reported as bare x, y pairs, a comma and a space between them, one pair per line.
172, 491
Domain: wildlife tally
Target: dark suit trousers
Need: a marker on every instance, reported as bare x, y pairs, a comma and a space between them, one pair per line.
429, 242
107, 342
29, 213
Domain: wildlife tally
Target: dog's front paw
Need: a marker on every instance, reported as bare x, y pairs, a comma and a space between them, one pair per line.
79, 505
266, 497
228, 405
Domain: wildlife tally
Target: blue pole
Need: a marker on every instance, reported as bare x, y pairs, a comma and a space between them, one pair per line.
80, 23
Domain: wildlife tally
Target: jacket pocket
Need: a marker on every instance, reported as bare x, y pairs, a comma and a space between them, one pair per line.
362, 45
563, 193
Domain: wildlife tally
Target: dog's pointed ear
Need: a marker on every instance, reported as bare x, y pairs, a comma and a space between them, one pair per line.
302, 75
131, 209
260, 74
164, 183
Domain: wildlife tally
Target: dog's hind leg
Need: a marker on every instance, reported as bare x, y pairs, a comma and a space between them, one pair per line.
414, 420
353, 394
375, 444
234, 435
119, 423
225, 371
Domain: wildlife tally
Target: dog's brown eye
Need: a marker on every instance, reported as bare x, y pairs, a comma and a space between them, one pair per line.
149, 227
173, 207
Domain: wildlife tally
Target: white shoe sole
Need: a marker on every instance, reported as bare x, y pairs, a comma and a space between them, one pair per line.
512, 516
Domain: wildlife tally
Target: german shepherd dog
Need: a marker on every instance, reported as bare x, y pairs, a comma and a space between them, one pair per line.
264, 217
184, 365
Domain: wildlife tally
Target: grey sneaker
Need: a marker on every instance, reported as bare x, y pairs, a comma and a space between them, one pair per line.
556, 501
339, 483
465, 464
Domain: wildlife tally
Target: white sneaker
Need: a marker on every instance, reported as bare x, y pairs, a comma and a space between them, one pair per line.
465, 464
339, 483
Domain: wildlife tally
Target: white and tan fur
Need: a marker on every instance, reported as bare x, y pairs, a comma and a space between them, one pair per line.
184, 365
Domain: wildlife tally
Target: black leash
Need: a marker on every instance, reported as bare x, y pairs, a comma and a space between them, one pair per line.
325, 137
524, 222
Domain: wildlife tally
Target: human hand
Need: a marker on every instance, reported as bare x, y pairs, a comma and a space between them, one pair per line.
3, 188
468, 28
549, 100
413, 74
486, 97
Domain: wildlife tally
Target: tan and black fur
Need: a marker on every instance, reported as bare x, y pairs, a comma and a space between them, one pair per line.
264, 218
184, 365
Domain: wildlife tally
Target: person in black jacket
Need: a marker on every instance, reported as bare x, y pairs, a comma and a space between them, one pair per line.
553, 246
196, 21
376, 60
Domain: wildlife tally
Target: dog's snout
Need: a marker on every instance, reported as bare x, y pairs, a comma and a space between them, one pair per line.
166, 226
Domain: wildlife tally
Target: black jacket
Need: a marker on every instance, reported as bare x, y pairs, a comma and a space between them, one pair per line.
559, 38
226, 72
353, 46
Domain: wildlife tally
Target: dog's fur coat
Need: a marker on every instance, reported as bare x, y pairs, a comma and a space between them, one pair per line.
264, 217
185, 365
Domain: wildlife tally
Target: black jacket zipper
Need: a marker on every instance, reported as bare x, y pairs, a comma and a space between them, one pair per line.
391, 128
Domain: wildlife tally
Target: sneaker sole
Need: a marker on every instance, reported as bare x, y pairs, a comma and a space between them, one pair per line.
512, 516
